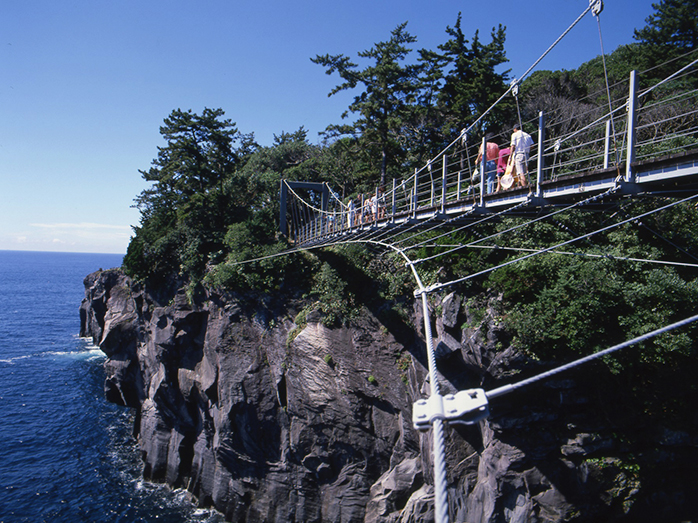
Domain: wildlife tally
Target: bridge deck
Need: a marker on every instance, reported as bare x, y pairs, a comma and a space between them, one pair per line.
672, 175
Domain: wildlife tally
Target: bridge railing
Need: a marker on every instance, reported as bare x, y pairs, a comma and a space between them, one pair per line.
660, 120
667, 124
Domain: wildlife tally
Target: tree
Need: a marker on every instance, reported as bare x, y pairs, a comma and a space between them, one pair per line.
197, 156
184, 215
471, 83
388, 94
670, 32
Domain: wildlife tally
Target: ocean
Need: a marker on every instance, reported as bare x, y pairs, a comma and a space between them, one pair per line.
66, 455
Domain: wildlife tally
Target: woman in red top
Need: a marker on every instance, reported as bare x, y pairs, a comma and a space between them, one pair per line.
502, 166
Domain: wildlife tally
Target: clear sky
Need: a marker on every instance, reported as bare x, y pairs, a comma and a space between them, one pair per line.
86, 84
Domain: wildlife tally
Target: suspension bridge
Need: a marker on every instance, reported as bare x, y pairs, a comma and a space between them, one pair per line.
565, 169
644, 145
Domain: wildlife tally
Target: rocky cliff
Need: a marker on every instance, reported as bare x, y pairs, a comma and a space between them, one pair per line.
268, 420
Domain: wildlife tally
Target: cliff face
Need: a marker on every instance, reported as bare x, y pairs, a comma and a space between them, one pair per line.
271, 421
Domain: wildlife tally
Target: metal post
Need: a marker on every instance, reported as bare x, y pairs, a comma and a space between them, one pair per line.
361, 212
541, 158
414, 194
483, 163
632, 121
443, 183
282, 208
433, 188
458, 184
607, 145
392, 219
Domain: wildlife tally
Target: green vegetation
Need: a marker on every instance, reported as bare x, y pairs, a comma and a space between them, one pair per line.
563, 306
210, 216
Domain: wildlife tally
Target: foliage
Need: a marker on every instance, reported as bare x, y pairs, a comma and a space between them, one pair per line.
332, 298
670, 33
472, 84
562, 307
184, 214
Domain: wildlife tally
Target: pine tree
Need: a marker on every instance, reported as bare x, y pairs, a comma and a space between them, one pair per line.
472, 83
387, 96
671, 32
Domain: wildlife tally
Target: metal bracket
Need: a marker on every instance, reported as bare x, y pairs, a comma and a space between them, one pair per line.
596, 6
466, 406
515, 87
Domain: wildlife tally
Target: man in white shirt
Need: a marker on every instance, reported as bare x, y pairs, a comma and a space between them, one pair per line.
521, 143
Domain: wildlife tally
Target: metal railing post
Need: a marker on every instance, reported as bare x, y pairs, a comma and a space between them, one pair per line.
392, 218
433, 187
443, 183
632, 121
607, 146
414, 194
541, 149
483, 164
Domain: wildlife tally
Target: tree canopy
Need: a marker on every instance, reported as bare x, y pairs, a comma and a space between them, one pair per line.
388, 93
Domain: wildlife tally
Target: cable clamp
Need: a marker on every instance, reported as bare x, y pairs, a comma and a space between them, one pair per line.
596, 6
466, 406
515, 87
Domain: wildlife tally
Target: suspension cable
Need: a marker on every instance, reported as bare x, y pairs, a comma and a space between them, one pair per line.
511, 229
506, 389
438, 286
469, 225
582, 254
608, 93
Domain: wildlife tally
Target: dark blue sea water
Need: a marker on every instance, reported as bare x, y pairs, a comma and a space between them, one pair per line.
65, 453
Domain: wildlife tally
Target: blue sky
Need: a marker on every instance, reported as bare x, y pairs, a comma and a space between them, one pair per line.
86, 84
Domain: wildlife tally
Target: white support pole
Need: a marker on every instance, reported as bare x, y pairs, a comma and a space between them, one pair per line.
541, 149
483, 164
443, 183
415, 196
392, 218
458, 187
632, 121
607, 146
433, 186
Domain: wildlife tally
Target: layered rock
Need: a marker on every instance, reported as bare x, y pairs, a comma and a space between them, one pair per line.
267, 420
253, 415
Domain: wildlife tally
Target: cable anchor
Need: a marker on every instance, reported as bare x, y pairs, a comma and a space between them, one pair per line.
466, 406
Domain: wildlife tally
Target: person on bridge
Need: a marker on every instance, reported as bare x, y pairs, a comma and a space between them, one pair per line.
490, 163
502, 166
381, 204
520, 147
351, 213
372, 208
